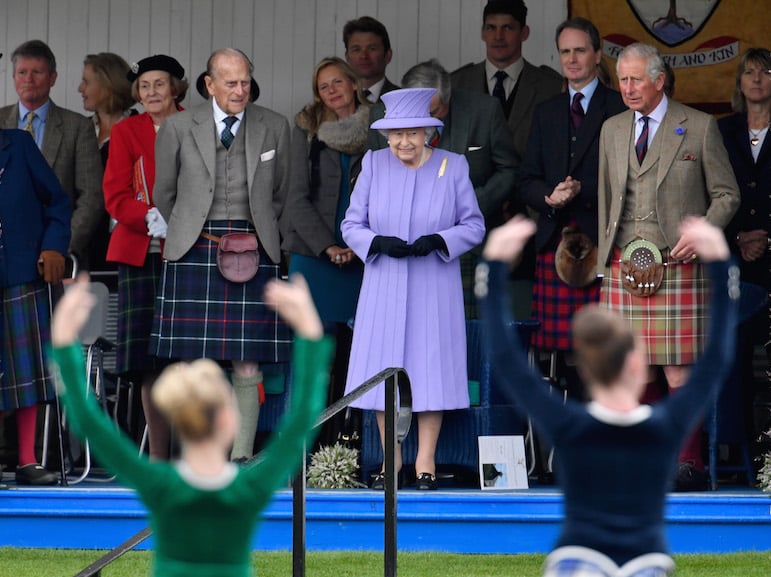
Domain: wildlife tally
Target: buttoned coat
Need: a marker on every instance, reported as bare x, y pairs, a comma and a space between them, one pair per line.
71, 150
34, 209
535, 84
185, 157
474, 127
550, 159
693, 177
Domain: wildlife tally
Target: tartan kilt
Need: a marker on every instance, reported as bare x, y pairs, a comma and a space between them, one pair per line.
26, 379
200, 314
555, 303
673, 322
137, 291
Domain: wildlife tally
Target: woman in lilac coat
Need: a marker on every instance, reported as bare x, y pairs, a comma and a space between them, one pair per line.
413, 212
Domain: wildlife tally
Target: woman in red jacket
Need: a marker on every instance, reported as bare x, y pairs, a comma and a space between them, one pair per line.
158, 84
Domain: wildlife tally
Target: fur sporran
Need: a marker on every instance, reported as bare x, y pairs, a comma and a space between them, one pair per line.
576, 258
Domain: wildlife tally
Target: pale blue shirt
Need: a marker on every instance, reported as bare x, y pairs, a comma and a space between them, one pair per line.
587, 91
220, 116
655, 119
38, 123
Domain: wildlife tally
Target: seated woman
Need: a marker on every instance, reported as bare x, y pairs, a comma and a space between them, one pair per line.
617, 457
203, 508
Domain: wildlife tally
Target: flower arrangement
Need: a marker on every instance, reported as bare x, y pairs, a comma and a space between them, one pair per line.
764, 475
680, 130
334, 467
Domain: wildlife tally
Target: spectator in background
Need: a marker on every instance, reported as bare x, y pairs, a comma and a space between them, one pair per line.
328, 141
474, 126
65, 138
745, 135
651, 275
158, 84
368, 52
107, 93
35, 217
413, 212
559, 183
519, 86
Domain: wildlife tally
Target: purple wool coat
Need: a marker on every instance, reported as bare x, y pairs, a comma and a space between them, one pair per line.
410, 311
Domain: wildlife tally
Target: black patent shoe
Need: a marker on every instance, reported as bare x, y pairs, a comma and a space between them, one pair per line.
426, 482
378, 481
690, 479
34, 474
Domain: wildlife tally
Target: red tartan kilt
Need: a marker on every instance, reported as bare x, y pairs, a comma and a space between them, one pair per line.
673, 322
555, 303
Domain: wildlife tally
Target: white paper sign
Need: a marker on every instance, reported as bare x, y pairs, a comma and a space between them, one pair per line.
502, 463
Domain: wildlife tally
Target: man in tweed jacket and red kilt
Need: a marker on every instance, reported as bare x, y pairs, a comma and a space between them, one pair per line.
660, 162
209, 183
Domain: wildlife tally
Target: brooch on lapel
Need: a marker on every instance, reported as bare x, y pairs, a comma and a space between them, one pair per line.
679, 130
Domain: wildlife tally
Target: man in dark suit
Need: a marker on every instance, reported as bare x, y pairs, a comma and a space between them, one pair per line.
559, 182
222, 167
66, 139
519, 86
473, 126
660, 162
368, 52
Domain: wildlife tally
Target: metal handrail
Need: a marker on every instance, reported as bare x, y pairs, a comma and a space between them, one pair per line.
397, 425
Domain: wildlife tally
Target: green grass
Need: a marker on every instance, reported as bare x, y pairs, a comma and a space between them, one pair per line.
64, 563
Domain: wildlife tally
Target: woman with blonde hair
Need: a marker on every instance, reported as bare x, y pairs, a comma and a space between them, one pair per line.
203, 508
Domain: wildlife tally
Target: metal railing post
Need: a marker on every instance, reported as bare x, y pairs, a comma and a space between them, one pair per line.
391, 480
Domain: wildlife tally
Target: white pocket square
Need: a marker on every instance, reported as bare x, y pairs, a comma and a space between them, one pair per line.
474, 148
266, 156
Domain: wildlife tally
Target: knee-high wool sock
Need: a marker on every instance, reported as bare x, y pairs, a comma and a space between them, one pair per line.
247, 392
26, 426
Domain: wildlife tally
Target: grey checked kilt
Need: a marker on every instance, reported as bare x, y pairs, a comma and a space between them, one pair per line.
26, 332
200, 314
137, 292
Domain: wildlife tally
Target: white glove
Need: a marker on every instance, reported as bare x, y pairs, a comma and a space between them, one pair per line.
156, 226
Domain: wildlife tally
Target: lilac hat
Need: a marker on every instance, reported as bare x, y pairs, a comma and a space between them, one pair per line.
407, 108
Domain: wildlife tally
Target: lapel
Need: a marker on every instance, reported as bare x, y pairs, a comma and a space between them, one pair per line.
202, 131
52, 137
5, 151
526, 92
12, 120
255, 141
670, 141
622, 140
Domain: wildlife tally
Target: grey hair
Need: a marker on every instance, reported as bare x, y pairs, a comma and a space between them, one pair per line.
429, 74
655, 65
430, 130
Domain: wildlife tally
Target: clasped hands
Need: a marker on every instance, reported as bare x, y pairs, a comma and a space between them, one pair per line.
563, 193
395, 247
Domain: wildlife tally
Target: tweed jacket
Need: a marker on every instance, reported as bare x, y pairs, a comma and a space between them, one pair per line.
549, 160
694, 176
475, 128
34, 210
185, 151
71, 150
535, 84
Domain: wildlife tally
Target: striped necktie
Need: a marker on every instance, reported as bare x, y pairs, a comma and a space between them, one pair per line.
641, 146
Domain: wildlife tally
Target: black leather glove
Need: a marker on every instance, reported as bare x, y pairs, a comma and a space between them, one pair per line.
428, 243
390, 245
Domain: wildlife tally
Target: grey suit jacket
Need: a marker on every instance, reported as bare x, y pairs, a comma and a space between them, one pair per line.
184, 177
474, 127
535, 85
694, 175
71, 150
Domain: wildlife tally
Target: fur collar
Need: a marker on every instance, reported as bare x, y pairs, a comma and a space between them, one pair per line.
346, 135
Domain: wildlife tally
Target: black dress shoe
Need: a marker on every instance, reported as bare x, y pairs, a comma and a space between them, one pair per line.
34, 474
426, 482
378, 482
690, 479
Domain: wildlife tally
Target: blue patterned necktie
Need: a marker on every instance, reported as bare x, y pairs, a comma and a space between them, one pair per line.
227, 135
641, 146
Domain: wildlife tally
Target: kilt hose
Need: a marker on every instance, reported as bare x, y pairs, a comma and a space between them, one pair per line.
137, 291
200, 314
26, 332
673, 322
555, 303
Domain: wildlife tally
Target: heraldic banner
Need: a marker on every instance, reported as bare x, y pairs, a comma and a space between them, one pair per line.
701, 39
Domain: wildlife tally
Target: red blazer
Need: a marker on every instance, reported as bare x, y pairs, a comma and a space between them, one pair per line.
131, 139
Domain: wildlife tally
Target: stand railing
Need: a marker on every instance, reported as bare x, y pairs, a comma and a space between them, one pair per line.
397, 425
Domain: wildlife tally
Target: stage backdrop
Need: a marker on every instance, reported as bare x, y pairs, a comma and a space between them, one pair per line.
701, 39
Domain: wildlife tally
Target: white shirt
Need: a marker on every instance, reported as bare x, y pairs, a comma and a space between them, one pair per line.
512, 75
220, 116
655, 118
